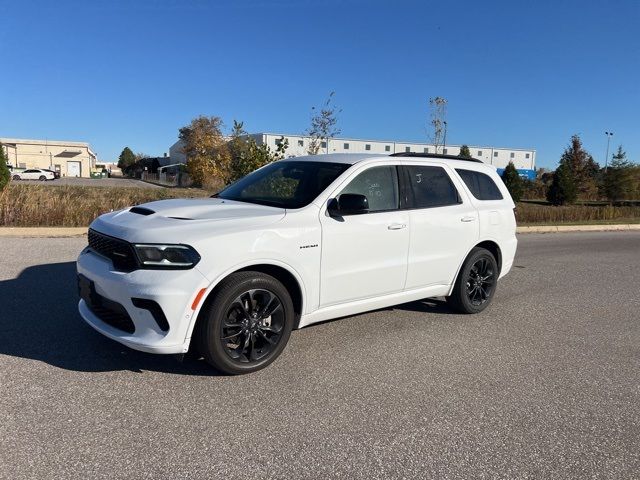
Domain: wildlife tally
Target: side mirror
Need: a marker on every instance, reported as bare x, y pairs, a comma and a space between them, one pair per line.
348, 204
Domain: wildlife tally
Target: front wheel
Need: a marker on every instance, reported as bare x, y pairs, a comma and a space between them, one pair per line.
476, 283
247, 325
16, 177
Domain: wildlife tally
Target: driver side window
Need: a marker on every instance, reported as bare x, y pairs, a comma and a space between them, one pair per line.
379, 185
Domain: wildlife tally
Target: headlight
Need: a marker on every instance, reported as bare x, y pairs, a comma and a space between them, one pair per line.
166, 256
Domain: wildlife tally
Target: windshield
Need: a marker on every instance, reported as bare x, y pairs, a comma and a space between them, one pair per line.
285, 184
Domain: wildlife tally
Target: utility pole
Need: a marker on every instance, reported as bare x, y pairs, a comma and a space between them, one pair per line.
606, 158
444, 146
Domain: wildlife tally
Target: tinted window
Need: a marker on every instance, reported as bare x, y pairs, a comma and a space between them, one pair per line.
429, 187
379, 185
286, 184
481, 185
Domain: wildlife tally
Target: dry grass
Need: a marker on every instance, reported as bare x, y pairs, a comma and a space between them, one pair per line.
74, 206
534, 214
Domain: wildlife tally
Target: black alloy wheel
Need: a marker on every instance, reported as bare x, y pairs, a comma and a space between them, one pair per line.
253, 325
246, 324
480, 282
476, 283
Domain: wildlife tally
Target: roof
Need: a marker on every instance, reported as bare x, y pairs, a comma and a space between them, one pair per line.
353, 158
27, 141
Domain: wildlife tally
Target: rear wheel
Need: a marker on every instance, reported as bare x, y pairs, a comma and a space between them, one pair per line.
476, 283
42, 178
247, 325
16, 177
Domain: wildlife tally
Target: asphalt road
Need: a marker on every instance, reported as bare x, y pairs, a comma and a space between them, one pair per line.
544, 384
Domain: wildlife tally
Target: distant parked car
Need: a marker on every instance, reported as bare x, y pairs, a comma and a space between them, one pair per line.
56, 174
34, 174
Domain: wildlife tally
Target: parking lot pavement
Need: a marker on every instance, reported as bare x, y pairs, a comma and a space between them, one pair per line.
543, 384
94, 182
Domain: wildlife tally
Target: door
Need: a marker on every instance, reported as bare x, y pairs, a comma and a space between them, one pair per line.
444, 225
365, 255
73, 169
30, 174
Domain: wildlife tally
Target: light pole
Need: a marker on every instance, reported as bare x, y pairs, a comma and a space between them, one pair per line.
606, 158
444, 147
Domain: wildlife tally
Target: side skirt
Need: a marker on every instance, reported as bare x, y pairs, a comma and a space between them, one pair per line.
368, 304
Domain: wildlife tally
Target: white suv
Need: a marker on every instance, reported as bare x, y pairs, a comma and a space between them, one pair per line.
296, 242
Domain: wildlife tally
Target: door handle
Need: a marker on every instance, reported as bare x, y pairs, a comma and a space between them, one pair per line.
468, 219
396, 226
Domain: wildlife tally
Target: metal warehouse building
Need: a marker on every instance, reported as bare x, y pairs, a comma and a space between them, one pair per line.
71, 159
523, 159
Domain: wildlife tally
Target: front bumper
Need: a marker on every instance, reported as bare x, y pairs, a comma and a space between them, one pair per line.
173, 290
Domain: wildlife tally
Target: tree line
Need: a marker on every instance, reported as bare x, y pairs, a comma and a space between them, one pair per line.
215, 160
578, 177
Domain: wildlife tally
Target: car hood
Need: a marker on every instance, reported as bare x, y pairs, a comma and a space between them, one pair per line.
184, 220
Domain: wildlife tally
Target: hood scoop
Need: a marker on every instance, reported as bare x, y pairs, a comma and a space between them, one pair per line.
141, 211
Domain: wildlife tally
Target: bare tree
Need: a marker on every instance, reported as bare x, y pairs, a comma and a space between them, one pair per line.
324, 123
438, 119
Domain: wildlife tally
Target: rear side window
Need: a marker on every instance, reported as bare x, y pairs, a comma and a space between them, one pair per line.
481, 186
429, 187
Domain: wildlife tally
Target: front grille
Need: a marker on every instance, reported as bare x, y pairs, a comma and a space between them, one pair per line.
118, 251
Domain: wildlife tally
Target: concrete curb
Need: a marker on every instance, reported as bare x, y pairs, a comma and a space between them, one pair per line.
43, 232
578, 228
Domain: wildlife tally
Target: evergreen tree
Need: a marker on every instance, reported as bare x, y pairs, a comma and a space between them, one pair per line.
618, 179
4, 170
563, 188
513, 181
464, 152
126, 159
583, 167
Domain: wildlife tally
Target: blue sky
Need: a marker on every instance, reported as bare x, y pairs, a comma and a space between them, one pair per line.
516, 74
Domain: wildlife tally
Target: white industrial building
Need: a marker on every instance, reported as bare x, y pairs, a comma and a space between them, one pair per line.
523, 159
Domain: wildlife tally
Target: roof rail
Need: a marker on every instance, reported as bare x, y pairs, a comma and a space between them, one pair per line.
435, 155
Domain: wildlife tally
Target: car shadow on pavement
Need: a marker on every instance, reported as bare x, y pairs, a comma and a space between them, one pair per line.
39, 320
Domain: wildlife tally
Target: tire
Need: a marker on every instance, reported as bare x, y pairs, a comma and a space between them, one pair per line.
476, 283
247, 324
16, 177
42, 178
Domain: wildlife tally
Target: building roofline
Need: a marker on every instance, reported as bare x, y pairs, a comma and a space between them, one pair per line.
30, 141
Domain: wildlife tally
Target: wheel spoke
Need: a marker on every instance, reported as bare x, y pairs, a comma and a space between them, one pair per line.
262, 334
248, 299
273, 306
239, 304
266, 328
229, 337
